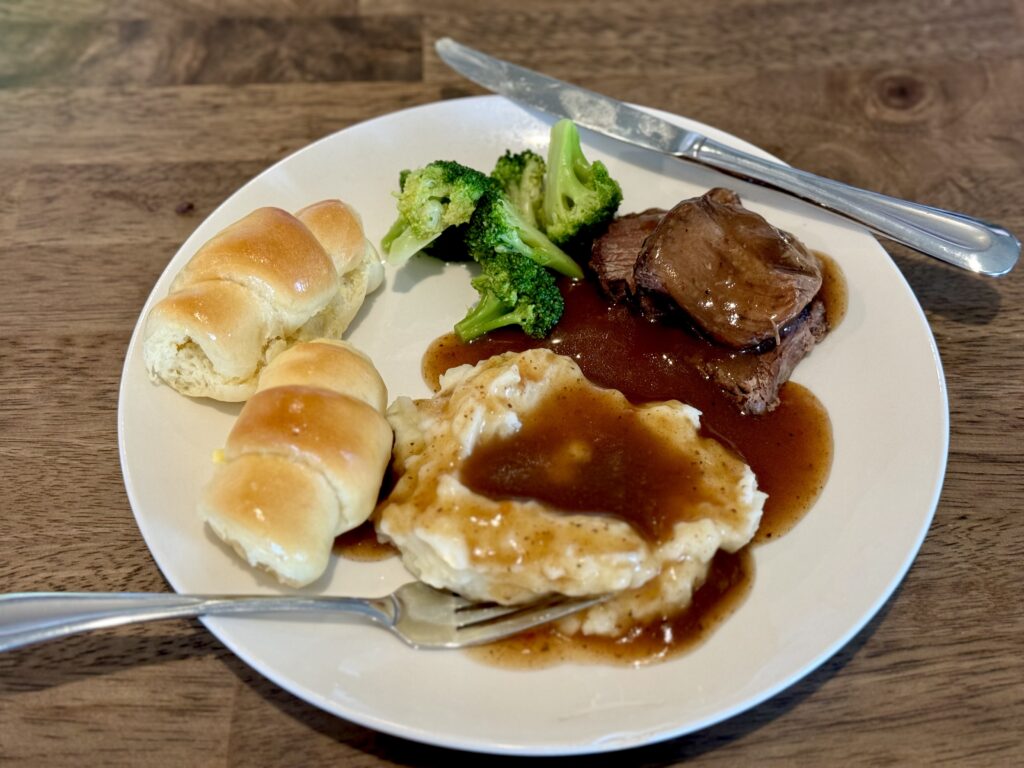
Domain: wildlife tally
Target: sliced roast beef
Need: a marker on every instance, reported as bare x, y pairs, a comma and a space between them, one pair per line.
613, 255
735, 275
752, 367
753, 379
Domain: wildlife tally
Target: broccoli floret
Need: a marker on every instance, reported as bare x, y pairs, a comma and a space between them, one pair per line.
521, 176
513, 291
448, 246
497, 227
580, 197
431, 199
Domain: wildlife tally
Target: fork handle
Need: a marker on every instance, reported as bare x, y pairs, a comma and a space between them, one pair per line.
955, 238
34, 617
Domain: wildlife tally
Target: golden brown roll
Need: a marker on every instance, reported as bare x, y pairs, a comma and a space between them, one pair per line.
304, 461
340, 231
263, 283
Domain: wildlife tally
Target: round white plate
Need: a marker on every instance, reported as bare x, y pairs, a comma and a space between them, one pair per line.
878, 374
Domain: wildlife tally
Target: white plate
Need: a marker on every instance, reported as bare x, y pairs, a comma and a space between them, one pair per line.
878, 374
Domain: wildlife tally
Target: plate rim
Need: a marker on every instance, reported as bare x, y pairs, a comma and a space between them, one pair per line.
221, 629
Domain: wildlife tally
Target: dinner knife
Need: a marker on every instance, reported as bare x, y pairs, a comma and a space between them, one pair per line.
956, 238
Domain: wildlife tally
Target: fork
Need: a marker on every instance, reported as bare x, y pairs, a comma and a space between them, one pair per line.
420, 615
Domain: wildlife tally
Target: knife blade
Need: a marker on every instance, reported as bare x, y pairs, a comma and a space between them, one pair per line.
587, 108
954, 238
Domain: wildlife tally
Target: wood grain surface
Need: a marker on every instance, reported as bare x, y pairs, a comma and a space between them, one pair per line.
124, 123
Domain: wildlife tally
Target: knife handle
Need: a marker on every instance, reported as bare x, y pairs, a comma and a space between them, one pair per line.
961, 240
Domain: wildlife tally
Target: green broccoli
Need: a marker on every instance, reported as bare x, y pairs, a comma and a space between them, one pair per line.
497, 227
513, 291
431, 199
580, 197
521, 176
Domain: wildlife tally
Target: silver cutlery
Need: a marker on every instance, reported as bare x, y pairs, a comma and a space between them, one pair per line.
420, 615
955, 238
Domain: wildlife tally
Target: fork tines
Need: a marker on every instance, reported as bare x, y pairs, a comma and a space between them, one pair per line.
482, 620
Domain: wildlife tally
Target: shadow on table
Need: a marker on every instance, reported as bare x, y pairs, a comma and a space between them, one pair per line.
94, 654
945, 291
401, 752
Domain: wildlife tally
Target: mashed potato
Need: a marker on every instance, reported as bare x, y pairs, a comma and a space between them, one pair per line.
597, 495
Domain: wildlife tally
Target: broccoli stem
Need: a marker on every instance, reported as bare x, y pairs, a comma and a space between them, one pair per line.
488, 314
405, 244
565, 153
547, 254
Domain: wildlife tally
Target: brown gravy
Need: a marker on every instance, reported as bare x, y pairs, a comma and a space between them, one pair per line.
723, 591
361, 544
789, 449
833, 289
585, 452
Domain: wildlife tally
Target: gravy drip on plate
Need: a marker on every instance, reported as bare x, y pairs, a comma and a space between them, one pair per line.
361, 544
723, 591
833, 289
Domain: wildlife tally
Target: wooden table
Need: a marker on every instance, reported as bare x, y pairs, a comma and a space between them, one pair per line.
123, 124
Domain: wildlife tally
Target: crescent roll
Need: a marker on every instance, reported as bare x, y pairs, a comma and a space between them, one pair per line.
260, 285
304, 461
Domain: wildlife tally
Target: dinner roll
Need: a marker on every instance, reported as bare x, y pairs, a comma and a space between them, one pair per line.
263, 283
304, 461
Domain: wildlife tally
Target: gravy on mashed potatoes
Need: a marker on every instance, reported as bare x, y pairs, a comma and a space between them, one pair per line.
520, 479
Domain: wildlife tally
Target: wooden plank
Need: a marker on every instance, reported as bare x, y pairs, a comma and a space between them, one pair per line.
221, 50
